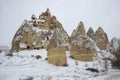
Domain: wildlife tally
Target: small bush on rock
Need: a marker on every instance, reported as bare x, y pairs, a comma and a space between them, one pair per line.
27, 78
38, 57
71, 57
76, 63
9, 54
92, 70
32, 55
46, 58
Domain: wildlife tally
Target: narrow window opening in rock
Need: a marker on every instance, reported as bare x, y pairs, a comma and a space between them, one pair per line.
37, 48
42, 47
47, 38
42, 22
28, 47
41, 42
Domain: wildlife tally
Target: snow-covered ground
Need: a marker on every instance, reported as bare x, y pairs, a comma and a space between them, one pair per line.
23, 65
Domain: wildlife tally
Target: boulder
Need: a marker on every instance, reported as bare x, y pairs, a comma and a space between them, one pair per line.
101, 38
57, 56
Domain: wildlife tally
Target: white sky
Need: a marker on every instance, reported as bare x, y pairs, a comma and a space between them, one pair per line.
94, 13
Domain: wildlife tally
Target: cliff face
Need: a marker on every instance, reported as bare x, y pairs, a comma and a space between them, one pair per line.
37, 33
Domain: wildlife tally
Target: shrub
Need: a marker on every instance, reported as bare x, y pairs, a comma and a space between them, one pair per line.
76, 63
92, 70
46, 58
71, 57
0, 51
38, 57
9, 54
27, 78
32, 55
65, 65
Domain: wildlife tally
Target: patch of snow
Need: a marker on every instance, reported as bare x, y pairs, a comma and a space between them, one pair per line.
37, 30
103, 59
34, 43
22, 45
42, 20
23, 65
27, 29
18, 38
115, 43
25, 21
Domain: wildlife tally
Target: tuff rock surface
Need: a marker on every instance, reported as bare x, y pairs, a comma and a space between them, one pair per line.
80, 30
38, 32
83, 45
57, 56
101, 38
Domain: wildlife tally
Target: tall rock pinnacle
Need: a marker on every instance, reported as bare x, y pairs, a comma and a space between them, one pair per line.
80, 29
91, 33
101, 38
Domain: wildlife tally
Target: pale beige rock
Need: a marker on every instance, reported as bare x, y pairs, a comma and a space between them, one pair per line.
80, 30
38, 33
57, 56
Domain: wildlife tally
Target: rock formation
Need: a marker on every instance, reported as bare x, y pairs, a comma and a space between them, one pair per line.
83, 45
80, 30
59, 39
38, 33
47, 32
57, 56
91, 33
114, 48
101, 38
114, 45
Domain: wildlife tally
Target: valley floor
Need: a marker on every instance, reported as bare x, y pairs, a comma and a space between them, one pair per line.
23, 65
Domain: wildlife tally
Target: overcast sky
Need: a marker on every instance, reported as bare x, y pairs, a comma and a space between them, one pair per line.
94, 13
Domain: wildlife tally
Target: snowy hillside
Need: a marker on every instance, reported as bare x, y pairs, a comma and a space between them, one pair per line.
31, 65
